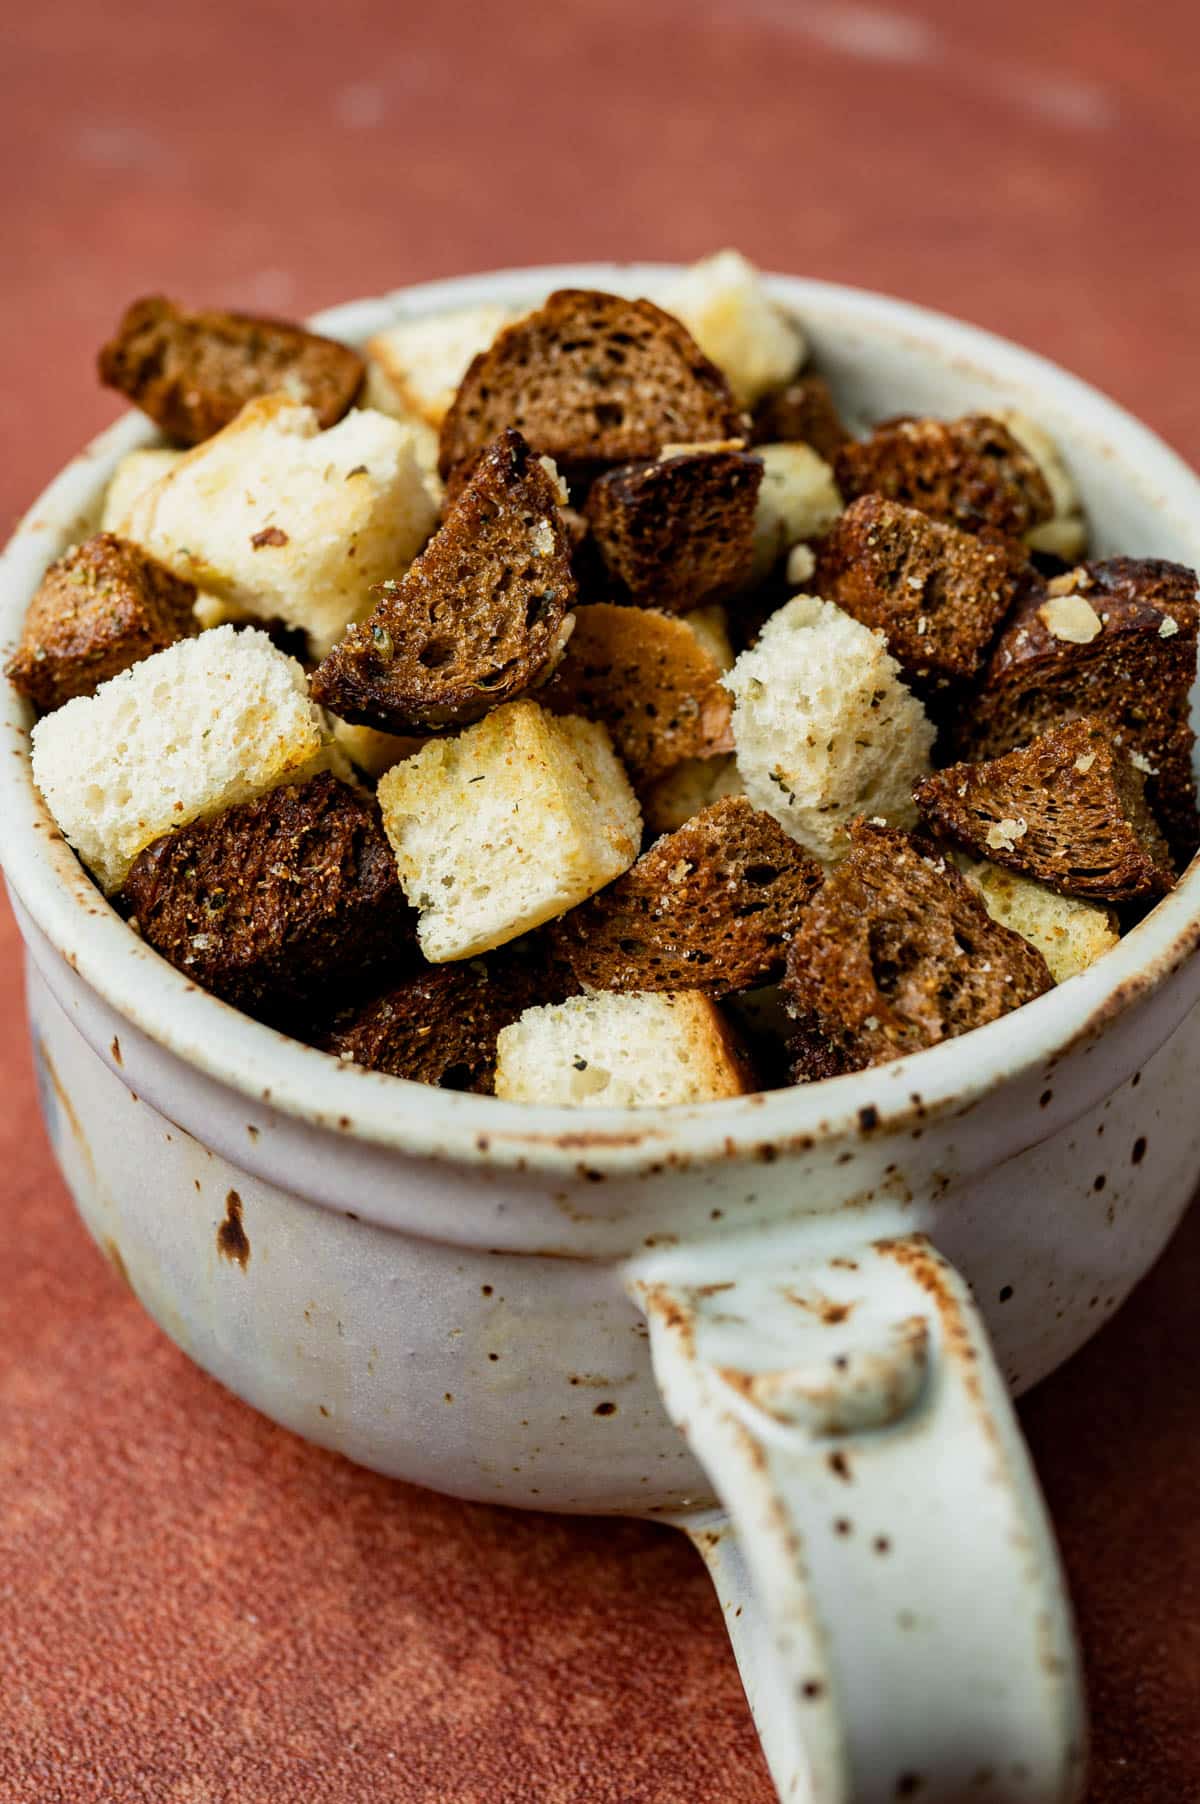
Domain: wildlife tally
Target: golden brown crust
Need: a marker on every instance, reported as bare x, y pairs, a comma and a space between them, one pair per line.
804, 412
709, 907
1135, 674
968, 473
937, 594
649, 680
278, 901
193, 372
104, 606
679, 533
895, 953
1068, 809
475, 620
593, 380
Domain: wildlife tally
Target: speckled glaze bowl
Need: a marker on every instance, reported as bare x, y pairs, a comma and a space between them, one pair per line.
789, 1323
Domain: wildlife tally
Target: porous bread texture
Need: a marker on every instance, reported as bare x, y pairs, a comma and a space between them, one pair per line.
509, 824
724, 304
798, 499
1069, 933
284, 521
380, 395
823, 727
136, 472
187, 732
424, 360
1065, 534
634, 1051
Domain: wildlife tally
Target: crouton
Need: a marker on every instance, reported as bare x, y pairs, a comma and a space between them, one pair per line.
724, 304
516, 820
969, 473
1114, 640
282, 520
1068, 809
379, 396
424, 360
896, 952
439, 1025
678, 533
937, 594
190, 731
710, 907
650, 680
621, 1051
805, 413
1065, 533
688, 788
476, 620
592, 379
99, 609
798, 499
1070, 934
276, 902
193, 372
136, 472
371, 751
823, 727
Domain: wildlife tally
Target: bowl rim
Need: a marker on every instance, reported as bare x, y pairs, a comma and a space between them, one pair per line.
414, 1118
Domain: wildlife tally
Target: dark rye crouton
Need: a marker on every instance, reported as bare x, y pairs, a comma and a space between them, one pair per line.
937, 594
593, 380
894, 953
804, 412
194, 372
968, 473
277, 901
1067, 809
1114, 640
104, 606
648, 678
710, 907
475, 620
439, 1026
678, 533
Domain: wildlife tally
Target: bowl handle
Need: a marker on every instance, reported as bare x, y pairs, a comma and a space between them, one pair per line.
883, 1556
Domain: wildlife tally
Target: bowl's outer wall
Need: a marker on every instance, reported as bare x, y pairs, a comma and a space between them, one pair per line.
456, 1321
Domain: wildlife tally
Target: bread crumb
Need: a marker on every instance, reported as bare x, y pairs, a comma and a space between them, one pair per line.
1071, 618
1005, 834
1083, 765
1169, 627
801, 564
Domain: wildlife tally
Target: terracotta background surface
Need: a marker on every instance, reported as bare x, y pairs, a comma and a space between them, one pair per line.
193, 1606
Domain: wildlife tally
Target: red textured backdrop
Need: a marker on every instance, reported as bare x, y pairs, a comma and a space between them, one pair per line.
193, 1606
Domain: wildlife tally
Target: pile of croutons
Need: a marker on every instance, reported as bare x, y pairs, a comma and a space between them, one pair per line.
569, 705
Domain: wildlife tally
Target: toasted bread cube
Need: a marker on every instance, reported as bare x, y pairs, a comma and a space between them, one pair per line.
823, 727
424, 360
193, 372
970, 473
205, 724
513, 822
1065, 534
896, 952
622, 1052
804, 413
725, 306
278, 902
684, 791
798, 500
284, 521
1069, 933
678, 532
652, 682
136, 472
97, 611
371, 751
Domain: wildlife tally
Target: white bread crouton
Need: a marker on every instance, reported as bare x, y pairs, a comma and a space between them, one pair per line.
509, 824
190, 731
380, 396
136, 472
1066, 533
684, 791
823, 727
636, 1051
284, 521
710, 629
424, 360
798, 499
724, 305
372, 751
1070, 934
